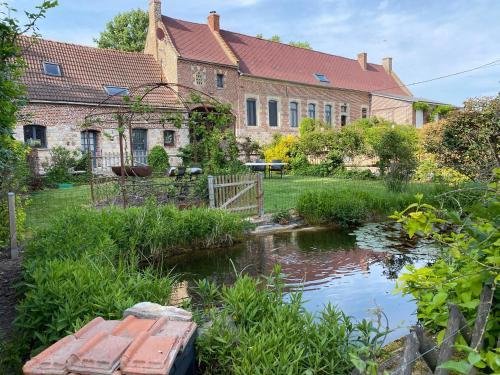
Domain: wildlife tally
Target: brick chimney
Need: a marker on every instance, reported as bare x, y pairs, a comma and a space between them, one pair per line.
387, 63
154, 11
363, 60
214, 21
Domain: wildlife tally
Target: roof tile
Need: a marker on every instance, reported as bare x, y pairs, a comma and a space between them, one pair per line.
99, 355
195, 41
85, 71
150, 355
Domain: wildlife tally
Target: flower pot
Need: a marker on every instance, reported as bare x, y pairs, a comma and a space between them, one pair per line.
139, 171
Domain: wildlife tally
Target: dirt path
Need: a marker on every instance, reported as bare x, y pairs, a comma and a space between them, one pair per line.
10, 275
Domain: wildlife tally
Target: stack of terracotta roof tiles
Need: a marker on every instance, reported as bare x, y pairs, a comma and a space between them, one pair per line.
132, 346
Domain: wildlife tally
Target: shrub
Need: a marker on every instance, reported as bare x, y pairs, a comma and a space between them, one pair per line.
280, 148
309, 125
158, 159
61, 296
256, 332
58, 168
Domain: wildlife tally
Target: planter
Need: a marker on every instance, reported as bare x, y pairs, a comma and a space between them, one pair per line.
64, 186
141, 171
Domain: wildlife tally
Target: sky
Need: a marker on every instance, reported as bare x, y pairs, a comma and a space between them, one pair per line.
425, 38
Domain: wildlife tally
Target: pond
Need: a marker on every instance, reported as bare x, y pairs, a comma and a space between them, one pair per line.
354, 270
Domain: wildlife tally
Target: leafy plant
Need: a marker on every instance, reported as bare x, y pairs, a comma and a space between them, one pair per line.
254, 331
58, 169
471, 258
282, 217
158, 159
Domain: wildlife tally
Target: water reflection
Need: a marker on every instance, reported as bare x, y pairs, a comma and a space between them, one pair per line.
355, 271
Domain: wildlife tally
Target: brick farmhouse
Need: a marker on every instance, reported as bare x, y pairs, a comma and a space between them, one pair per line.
271, 86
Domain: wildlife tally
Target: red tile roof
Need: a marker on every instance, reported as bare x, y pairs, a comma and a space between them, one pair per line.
195, 41
85, 71
131, 346
262, 58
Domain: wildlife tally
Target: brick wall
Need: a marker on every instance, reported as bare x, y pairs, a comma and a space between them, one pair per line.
63, 124
264, 90
238, 88
401, 112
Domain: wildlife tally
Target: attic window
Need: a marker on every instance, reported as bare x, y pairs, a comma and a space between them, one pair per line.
321, 78
52, 69
116, 91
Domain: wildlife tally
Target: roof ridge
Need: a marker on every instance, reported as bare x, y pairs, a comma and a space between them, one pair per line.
85, 46
272, 41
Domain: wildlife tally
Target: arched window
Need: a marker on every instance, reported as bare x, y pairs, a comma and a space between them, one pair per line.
35, 136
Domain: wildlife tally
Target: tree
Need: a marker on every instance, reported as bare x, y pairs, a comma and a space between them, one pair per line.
469, 140
126, 32
11, 89
277, 38
304, 45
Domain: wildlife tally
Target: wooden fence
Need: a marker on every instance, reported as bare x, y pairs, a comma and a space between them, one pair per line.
419, 346
237, 193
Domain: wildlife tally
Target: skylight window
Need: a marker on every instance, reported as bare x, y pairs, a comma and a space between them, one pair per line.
52, 69
321, 77
116, 91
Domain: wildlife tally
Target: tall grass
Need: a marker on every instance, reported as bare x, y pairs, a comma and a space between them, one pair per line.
356, 204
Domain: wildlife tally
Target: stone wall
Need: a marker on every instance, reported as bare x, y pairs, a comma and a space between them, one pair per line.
399, 111
63, 123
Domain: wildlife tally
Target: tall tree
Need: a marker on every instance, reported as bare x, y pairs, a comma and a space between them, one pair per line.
126, 32
11, 68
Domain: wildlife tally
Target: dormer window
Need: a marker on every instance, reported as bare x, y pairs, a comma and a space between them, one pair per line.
116, 91
52, 69
321, 77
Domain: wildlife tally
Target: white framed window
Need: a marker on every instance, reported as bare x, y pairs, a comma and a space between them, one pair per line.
294, 113
311, 109
252, 107
220, 80
273, 111
329, 114
199, 78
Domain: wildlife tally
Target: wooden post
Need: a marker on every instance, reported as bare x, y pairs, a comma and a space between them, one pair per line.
428, 347
409, 356
452, 330
260, 193
91, 176
122, 173
14, 251
211, 191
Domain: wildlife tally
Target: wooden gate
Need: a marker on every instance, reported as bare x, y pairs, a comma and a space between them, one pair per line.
237, 193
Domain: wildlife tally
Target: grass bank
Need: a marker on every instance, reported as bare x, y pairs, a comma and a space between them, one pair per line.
87, 263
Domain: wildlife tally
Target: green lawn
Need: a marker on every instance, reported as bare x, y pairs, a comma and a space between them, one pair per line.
278, 194
46, 204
